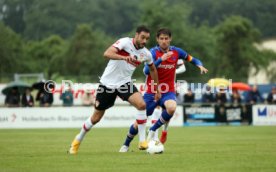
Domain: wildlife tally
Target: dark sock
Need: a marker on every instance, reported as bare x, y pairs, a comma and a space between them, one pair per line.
165, 117
131, 134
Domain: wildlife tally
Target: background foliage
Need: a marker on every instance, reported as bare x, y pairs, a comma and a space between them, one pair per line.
67, 39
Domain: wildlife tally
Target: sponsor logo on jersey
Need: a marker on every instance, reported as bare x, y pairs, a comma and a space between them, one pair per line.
167, 66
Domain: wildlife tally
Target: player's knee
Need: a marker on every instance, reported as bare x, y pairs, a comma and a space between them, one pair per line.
141, 106
170, 106
171, 109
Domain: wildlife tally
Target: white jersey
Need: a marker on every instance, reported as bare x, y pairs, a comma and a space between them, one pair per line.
119, 72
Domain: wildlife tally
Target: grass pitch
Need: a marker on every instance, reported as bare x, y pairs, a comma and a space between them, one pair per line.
244, 148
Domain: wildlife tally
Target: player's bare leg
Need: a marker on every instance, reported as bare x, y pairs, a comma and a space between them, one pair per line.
88, 124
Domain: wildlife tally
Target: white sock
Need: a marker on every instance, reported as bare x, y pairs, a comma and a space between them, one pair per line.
141, 121
166, 126
150, 135
155, 116
87, 125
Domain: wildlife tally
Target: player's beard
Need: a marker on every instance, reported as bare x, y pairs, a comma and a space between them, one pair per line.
138, 45
141, 45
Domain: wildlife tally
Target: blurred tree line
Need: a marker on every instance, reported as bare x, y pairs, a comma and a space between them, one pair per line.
66, 39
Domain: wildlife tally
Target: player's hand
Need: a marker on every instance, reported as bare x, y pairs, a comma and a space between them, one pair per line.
167, 55
203, 70
129, 58
157, 96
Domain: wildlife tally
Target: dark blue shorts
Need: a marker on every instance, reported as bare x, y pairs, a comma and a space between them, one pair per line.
151, 103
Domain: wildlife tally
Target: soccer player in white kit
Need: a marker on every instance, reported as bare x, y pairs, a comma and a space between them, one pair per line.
124, 56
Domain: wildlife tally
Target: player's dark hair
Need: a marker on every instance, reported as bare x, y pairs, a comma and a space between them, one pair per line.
164, 31
142, 28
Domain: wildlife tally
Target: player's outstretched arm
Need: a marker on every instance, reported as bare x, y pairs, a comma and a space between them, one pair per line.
112, 53
197, 63
203, 70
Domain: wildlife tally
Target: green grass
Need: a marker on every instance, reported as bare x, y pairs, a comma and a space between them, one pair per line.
244, 148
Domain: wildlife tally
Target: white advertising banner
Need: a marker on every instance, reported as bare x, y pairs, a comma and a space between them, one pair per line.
72, 117
264, 115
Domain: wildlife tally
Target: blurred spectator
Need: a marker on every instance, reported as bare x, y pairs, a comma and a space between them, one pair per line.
189, 97
27, 99
272, 96
67, 97
254, 96
235, 97
179, 98
221, 97
208, 96
45, 98
13, 98
88, 99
